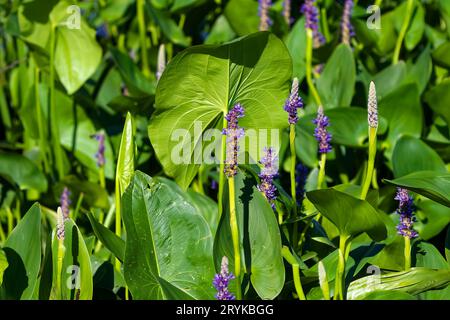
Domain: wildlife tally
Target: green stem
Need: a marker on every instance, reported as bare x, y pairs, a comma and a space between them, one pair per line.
101, 177
401, 36
77, 207
297, 283
10, 220
235, 237
2, 234
53, 117
142, 29
321, 176
324, 23
309, 73
371, 162
221, 172
407, 253
378, 2
340, 271
42, 139
293, 186
60, 257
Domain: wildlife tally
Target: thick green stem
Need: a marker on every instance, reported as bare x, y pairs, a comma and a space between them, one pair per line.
42, 139
143, 41
321, 176
401, 36
78, 206
53, 117
235, 236
371, 162
101, 177
293, 186
287, 255
324, 23
309, 73
340, 271
60, 257
221, 172
407, 253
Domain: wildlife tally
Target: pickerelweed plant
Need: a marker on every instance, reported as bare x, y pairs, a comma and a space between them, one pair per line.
126, 172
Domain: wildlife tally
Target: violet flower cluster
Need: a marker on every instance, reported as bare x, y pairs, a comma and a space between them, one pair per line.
64, 202
372, 106
221, 282
263, 11
100, 155
268, 173
406, 211
346, 26
301, 176
233, 133
293, 103
321, 133
312, 21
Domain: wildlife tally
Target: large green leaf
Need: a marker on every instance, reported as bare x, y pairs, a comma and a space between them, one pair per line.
72, 63
201, 83
260, 239
166, 239
416, 28
23, 252
424, 159
236, 9
336, 84
350, 215
430, 184
296, 44
428, 256
438, 98
432, 218
403, 111
440, 55
413, 281
76, 272
22, 171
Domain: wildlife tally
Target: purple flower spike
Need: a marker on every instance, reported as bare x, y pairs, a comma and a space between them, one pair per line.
321, 133
346, 25
100, 155
300, 182
64, 202
312, 21
233, 133
293, 103
221, 281
269, 172
372, 106
287, 12
263, 11
406, 211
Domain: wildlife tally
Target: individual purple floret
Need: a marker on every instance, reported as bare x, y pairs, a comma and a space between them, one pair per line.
269, 172
102, 31
221, 282
312, 21
100, 155
293, 103
321, 133
64, 202
300, 181
263, 11
406, 211
287, 12
233, 133
346, 25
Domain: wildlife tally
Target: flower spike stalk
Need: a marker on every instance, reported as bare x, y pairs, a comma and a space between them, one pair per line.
313, 39
403, 30
60, 234
263, 11
406, 211
233, 133
221, 281
287, 255
100, 156
372, 114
